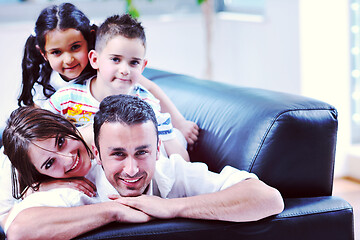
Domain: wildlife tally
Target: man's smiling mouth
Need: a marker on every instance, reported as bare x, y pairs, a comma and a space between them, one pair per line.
132, 180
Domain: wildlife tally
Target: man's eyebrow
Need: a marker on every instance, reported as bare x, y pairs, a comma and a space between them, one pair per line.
117, 149
142, 147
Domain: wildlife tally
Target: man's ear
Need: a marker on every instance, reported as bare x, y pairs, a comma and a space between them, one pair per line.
41, 52
93, 59
158, 150
96, 154
144, 65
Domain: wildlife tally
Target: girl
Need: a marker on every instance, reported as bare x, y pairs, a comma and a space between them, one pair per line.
58, 55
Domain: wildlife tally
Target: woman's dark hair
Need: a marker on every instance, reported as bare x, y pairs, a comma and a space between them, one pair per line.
25, 125
34, 67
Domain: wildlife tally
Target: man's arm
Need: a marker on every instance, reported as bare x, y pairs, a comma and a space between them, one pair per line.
248, 200
67, 223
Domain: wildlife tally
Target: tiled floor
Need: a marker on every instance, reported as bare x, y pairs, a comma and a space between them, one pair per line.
350, 190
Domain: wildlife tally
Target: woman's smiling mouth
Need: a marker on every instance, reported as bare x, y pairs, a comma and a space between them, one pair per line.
75, 163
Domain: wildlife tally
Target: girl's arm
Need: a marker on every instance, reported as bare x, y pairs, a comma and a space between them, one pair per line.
189, 129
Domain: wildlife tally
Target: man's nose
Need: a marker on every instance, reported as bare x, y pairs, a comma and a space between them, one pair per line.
131, 167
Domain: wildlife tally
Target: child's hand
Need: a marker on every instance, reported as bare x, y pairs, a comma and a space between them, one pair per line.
190, 130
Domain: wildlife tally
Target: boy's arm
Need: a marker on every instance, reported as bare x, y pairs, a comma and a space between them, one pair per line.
173, 146
189, 129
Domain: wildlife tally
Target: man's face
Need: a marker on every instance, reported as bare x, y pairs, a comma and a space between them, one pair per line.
128, 155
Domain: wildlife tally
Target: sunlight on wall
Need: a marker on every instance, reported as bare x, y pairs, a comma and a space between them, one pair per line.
325, 65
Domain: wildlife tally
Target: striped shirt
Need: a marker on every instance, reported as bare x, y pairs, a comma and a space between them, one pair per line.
76, 103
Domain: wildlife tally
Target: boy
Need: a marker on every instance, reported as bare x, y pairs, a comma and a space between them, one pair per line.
119, 60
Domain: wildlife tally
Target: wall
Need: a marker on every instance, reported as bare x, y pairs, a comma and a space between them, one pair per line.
298, 46
325, 66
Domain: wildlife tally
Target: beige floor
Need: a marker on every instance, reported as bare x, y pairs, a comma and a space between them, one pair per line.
349, 189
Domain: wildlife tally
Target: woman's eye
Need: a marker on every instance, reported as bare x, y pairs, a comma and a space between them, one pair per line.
60, 141
49, 163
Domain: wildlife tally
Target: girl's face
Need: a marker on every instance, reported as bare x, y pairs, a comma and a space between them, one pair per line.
67, 52
60, 157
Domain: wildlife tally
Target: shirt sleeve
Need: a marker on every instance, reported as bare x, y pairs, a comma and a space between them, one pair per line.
165, 127
53, 103
60, 197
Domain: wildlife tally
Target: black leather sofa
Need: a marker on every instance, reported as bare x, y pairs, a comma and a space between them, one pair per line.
289, 141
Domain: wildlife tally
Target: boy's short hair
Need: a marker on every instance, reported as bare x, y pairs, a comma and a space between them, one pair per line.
117, 25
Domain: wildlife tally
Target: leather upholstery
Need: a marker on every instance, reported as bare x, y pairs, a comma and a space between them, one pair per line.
289, 141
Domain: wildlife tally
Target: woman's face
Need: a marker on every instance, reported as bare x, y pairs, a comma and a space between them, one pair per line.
60, 157
67, 52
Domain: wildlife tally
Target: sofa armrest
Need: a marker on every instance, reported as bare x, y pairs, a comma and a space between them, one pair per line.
287, 140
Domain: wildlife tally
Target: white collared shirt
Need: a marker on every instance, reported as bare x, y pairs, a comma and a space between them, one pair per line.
176, 178
173, 178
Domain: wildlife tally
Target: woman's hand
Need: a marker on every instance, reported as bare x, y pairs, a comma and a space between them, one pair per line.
81, 184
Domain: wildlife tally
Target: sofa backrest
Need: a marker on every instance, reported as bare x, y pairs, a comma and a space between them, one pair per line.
289, 141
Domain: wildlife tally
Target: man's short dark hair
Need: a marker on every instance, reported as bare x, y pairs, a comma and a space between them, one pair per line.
124, 109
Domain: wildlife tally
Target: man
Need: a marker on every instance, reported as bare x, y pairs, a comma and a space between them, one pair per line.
127, 147
143, 185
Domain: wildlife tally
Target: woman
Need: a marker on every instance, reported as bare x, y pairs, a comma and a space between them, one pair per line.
42, 147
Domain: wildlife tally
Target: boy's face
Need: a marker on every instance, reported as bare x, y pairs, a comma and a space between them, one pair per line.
119, 64
128, 155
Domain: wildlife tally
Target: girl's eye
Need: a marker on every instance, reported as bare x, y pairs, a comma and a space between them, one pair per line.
49, 163
75, 47
55, 52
